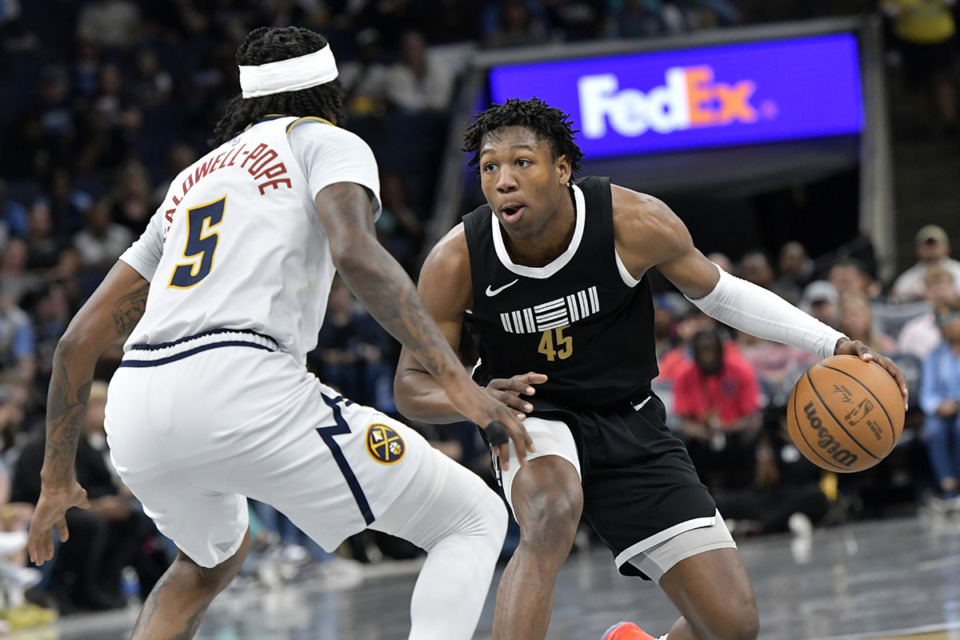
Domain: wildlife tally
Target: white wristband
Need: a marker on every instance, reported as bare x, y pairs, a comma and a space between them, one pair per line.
762, 313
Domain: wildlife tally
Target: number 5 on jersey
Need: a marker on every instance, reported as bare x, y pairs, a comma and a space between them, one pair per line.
201, 244
555, 345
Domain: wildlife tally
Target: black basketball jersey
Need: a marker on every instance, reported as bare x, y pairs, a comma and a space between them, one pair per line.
575, 319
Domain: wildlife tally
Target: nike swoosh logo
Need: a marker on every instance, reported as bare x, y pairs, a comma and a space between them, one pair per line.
493, 292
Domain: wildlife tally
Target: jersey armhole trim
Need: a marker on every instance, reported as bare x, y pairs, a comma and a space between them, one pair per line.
625, 274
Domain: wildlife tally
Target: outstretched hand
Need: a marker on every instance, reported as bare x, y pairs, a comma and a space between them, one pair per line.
481, 406
51, 512
862, 351
509, 390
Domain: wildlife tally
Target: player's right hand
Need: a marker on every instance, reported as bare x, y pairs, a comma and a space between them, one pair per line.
509, 390
481, 406
51, 512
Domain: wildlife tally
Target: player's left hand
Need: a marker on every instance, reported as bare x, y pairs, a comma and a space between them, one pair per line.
51, 512
859, 349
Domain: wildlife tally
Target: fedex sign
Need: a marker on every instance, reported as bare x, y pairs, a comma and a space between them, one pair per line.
716, 96
689, 98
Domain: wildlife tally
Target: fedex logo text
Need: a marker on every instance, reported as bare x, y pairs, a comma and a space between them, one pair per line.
689, 98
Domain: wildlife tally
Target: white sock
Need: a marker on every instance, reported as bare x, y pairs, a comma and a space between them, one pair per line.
449, 512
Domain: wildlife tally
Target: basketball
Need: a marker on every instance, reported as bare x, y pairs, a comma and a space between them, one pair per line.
845, 414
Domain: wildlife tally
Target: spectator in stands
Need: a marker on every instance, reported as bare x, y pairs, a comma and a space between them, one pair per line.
418, 83
16, 280
85, 71
718, 401
399, 227
515, 23
925, 34
17, 348
50, 314
13, 215
821, 300
932, 247
132, 200
151, 84
643, 18
352, 352
794, 271
180, 155
921, 335
755, 267
101, 240
448, 21
44, 132
848, 275
111, 123
940, 401
364, 78
67, 203
778, 366
856, 321
785, 493
44, 246
111, 24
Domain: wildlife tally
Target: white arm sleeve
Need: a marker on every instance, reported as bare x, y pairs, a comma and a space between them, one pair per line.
144, 254
762, 313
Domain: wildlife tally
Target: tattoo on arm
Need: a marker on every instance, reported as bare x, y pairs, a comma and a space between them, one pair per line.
130, 309
384, 288
65, 412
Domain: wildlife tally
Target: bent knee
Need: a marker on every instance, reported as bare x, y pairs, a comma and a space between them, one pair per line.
739, 623
549, 518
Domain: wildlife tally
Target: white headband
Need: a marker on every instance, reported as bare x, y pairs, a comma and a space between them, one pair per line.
292, 74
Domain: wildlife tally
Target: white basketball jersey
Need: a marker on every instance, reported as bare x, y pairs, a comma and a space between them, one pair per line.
238, 243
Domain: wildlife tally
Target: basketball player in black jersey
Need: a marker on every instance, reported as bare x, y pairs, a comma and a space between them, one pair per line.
549, 278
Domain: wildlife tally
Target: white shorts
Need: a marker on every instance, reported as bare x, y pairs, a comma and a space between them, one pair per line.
197, 426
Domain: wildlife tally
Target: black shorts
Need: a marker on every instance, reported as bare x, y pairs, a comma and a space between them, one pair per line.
638, 480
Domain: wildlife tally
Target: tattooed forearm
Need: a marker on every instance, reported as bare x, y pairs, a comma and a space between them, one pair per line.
387, 292
377, 279
66, 407
130, 309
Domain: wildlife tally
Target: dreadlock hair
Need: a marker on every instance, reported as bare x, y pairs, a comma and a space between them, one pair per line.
547, 123
272, 44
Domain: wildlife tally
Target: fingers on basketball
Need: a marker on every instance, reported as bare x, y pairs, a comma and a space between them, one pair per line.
845, 414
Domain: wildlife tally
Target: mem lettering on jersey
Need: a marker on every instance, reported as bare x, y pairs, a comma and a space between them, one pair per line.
552, 315
724, 95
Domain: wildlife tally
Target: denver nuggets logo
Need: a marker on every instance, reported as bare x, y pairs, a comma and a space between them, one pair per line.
384, 444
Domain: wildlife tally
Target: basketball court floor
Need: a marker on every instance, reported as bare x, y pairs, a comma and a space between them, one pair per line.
873, 580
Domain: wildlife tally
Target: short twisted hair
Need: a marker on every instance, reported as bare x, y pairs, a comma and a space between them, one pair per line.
547, 123
272, 44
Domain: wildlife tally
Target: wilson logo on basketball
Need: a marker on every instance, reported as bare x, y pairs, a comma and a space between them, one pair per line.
384, 444
826, 442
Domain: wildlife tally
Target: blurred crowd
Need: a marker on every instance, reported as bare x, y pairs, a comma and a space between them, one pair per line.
104, 101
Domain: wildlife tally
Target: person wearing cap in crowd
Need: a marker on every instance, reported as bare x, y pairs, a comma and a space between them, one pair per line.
933, 247
821, 300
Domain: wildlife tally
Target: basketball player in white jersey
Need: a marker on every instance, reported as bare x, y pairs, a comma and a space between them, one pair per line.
223, 296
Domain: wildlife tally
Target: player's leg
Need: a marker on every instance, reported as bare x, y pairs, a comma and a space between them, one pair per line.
180, 598
547, 501
714, 596
449, 512
644, 499
705, 579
